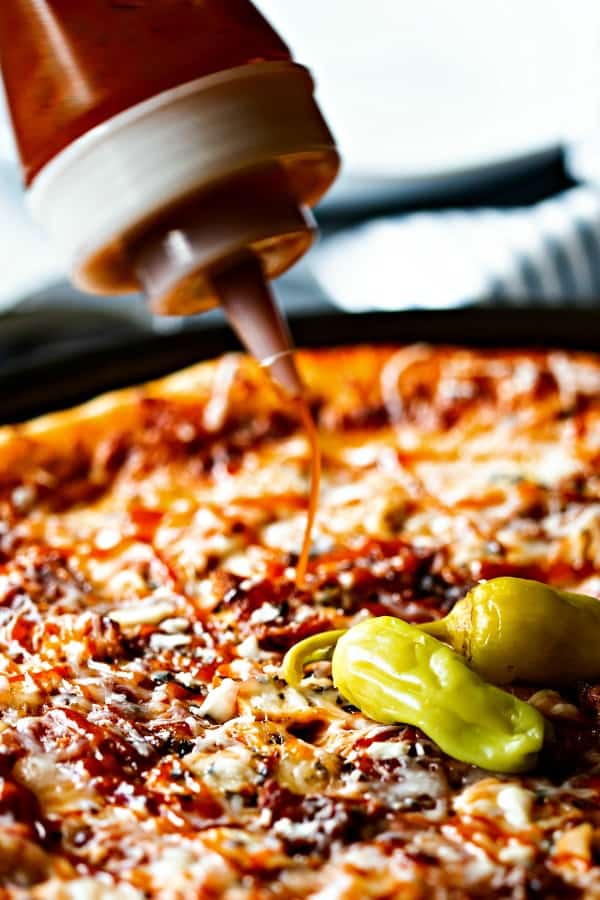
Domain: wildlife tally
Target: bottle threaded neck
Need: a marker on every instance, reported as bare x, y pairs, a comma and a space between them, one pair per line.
253, 214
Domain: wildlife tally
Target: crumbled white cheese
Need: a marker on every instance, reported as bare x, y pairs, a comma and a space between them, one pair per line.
516, 804
265, 820
250, 564
382, 750
215, 411
304, 612
160, 642
23, 497
575, 842
295, 699
249, 648
186, 432
126, 583
89, 889
191, 872
175, 626
149, 613
346, 579
517, 854
504, 802
205, 655
76, 652
479, 799
479, 867
285, 535
553, 463
366, 858
241, 668
413, 781
268, 612
220, 704
108, 538
295, 831
267, 696
204, 591
186, 678
343, 887
226, 770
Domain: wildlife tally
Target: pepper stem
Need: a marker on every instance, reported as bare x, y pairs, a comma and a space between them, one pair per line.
436, 629
317, 648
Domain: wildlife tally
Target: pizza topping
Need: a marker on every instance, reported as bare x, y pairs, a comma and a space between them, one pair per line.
394, 672
221, 703
143, 613
313, 649
312, 436
231, 770
514, 629
574, 847
506, 803
391, 671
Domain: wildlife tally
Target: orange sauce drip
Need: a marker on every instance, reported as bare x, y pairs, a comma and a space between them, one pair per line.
312, 435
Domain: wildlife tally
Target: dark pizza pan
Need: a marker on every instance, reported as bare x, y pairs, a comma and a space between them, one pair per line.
32, 388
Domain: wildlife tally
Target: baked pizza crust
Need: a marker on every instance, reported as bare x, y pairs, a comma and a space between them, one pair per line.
148, 745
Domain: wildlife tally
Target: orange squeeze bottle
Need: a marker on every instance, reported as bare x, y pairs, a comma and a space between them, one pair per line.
172, 146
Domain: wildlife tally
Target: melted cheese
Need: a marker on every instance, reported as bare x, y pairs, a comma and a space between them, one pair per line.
148, 550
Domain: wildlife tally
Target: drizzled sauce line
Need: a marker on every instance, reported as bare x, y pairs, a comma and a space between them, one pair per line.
312, 436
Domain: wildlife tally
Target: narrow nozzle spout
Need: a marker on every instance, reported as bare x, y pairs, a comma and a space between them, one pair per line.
252, 311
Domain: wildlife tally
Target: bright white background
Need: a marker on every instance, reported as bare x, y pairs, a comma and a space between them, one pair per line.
422, 87
413, 89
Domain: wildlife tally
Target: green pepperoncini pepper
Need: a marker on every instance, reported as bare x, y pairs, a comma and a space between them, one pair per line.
513, 629
393, 672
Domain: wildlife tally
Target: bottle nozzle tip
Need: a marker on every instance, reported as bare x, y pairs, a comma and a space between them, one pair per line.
283, 369
251, 309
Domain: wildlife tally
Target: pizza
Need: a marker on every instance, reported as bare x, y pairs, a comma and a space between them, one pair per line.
149, 746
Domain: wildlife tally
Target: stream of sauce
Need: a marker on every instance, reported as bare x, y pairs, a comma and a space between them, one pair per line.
214, 417
252, 311
312, 436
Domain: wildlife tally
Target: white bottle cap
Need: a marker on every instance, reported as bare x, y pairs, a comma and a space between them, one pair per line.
176, 261
192, 178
